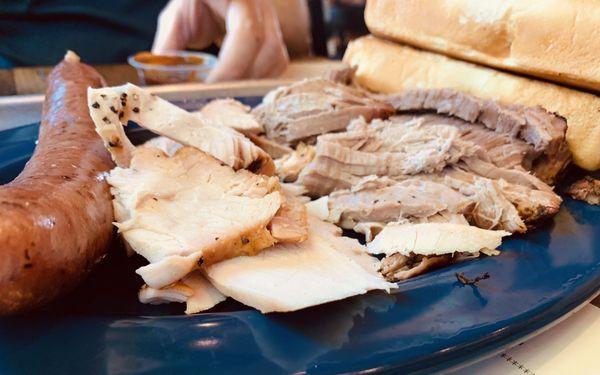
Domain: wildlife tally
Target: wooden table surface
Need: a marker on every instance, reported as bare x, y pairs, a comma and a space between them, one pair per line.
32, 80
22, 89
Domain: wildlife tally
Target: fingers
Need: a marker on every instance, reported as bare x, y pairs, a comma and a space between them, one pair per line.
253, 45
183, 23
242, 42
272, 59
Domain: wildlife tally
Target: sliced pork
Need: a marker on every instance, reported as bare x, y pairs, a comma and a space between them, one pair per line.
383, 200
398, 267
498, 148
274, 149
544, 131
438, 149
381, 148
495, 198
313, 107
289, 166
586, 189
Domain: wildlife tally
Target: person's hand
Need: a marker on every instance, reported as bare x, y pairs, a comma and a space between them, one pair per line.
252, 44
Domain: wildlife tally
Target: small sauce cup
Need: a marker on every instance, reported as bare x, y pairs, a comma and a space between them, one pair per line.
173, 67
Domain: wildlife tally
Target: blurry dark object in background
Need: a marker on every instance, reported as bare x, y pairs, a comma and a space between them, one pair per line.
317, 28
101, 31
344, 22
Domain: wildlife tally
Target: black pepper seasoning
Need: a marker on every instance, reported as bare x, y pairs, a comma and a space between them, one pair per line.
96, 105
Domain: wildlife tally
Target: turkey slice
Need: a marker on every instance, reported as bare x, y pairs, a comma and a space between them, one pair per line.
288, 277
231, 113
182, 211
167, 145
434, 239
197, 292
112, 107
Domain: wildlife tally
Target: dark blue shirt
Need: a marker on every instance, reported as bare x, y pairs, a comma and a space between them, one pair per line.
38, 32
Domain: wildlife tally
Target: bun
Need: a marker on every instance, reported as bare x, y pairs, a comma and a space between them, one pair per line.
558, 40
387, 67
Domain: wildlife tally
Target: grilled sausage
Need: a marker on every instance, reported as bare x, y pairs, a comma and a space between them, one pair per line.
55, 220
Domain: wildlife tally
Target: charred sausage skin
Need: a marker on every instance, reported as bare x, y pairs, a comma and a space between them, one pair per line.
55, 220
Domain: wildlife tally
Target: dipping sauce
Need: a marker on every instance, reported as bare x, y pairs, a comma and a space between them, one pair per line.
175, 67
169, 60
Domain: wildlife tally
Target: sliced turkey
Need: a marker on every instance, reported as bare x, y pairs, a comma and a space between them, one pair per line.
194, 290
183, 211
287, 277
434, 239
414, 249
115, 106
230, 113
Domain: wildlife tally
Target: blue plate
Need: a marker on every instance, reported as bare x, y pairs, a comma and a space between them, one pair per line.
432, 322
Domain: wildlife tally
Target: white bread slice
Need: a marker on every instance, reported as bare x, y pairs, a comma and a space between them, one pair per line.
388, 67
553, 39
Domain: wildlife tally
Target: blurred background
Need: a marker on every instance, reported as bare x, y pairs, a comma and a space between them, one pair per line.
35, 34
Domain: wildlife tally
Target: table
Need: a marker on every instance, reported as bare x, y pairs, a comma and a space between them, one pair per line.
21, 89
32, 80
16, 110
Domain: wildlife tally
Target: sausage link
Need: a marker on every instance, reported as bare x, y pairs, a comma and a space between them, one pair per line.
55, 220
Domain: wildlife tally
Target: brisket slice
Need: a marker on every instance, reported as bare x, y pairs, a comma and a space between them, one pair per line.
315, 106
586, 189
543, 130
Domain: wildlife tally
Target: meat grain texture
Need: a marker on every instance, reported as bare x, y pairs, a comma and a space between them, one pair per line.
586, 189
56, 221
